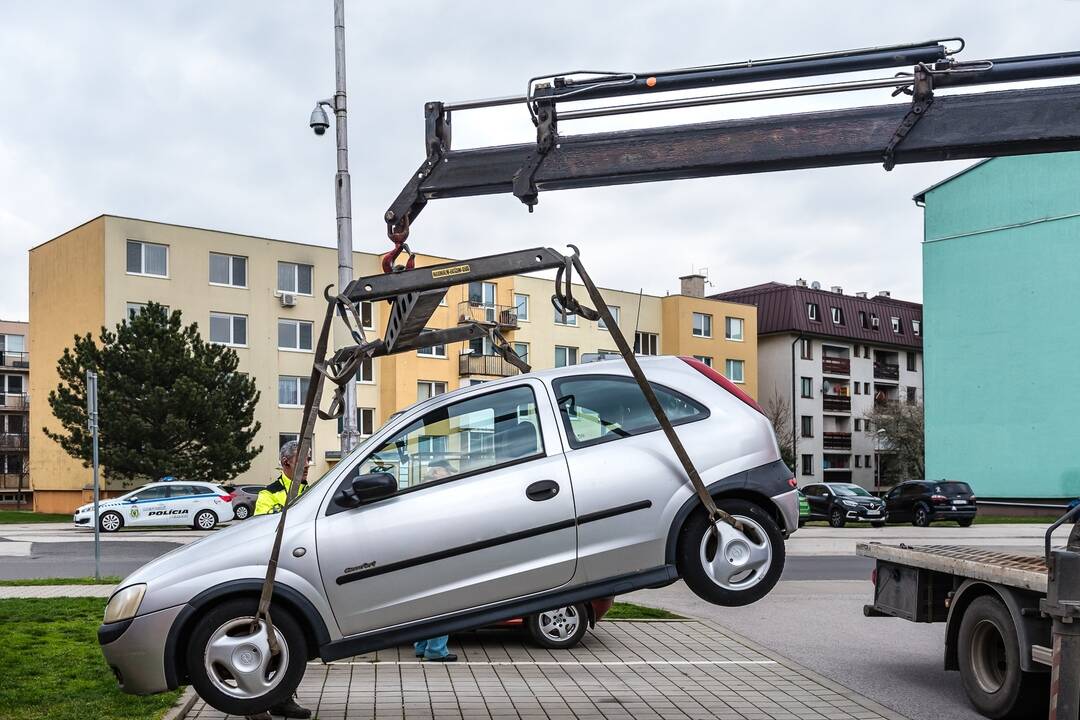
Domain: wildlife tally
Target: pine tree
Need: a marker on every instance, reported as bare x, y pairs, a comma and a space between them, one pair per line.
168, 402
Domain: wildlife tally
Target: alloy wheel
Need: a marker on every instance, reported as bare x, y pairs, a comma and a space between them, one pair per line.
238, 661
739, 560
110, 522
560, 624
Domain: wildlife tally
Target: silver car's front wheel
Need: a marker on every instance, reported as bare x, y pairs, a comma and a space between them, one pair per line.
238, 661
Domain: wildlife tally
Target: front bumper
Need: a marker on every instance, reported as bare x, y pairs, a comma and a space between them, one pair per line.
788, 505
135, 650
863, 515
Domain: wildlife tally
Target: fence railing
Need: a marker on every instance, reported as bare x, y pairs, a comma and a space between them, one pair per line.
836, 365
501, 315
14, 401
836, 403
495, 365
836, 440
886, 371
13, 359
14, 441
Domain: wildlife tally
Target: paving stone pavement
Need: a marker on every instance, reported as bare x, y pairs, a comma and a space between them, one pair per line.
622, 671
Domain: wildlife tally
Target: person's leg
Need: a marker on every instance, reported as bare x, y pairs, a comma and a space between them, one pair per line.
436, 649
419, 647
291, 709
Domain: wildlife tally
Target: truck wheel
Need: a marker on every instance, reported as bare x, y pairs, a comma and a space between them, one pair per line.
232, 669
559, 628
743, 568
922, 517
836, 518
989, 655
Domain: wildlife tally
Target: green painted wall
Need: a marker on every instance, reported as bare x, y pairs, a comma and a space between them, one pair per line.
1001, 308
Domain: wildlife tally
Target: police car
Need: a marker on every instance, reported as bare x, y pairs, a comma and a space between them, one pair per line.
200, 505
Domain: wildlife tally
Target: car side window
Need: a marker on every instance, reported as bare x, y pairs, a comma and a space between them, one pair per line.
462, 438
155, 493
599, 408
912, 490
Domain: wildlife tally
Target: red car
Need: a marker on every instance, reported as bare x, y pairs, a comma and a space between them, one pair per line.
562, 627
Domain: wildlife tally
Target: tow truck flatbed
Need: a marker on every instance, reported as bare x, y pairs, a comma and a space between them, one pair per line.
1024, 572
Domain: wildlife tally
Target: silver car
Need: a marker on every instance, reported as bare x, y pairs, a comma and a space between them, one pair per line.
490, 502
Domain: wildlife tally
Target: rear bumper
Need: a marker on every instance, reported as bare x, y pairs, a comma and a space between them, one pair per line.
788, 505
952, 513
135, 650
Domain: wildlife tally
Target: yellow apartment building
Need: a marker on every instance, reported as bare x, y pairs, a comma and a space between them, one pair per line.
263, 298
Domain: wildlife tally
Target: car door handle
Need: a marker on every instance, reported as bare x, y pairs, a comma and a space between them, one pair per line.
542, 490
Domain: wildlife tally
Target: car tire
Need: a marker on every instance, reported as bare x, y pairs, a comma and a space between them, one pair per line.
558, 628
966, 522
877, 524
242, 512
111, 522
989, 656
836, 518
205, 520
215, 682
801, 522
921, 518
742, 588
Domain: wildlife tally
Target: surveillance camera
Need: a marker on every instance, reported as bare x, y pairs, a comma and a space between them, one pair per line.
319, 121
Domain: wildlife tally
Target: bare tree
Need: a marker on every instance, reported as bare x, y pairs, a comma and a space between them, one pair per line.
778, 410
904, 436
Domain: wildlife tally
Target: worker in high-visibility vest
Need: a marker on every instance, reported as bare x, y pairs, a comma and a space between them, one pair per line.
272, 498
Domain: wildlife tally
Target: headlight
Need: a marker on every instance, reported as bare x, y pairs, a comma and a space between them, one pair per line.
124, 604
848, 503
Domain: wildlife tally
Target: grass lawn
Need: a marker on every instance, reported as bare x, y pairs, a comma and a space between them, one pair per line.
630, 611
54, 669
105, 580
9, 517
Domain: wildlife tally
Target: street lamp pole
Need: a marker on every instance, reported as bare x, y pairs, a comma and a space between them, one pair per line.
342, 200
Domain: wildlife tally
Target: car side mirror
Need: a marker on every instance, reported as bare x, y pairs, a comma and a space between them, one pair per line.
366, 488
130, 499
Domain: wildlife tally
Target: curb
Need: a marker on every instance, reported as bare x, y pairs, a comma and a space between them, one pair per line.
180, 710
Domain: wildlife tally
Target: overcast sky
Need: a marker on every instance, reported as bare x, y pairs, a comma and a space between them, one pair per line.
195, 113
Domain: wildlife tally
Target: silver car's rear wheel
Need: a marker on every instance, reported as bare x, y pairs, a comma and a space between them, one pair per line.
238, 661
741, 560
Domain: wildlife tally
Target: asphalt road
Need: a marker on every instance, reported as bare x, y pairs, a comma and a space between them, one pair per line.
76, 559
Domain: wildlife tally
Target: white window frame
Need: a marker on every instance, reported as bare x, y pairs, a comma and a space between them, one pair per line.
895, 321
142, 259
232, 317
727, 328
524, 357
298, 386
518, 305
571, 319
295, 278
639, 342
432, 386
742, 370
360, 412
614, 315
432, 352
370, 364
371, 313
705, 359
297, 324
812, 312
231, 283
837, 315
568, 350
706, 329
916, 327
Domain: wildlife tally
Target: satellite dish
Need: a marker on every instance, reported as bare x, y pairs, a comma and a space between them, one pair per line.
815, 285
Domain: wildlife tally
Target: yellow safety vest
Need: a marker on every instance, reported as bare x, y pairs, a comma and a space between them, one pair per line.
272, 498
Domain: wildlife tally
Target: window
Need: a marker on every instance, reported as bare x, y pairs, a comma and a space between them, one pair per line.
733, 328
812, 312
646, 343
837, 315
911, 361
702, 325
565, 356
228, 270
911, 393
866, 388
866, 351
614, 314
733, 369
294, 335
11, 384
159, 492
435, 351
522, 350
134, 309
480, 433
366, 372
874, 322
806, 349
896, 326
703, 358
521, 306
365, 422
857, 389
858, 424
14, 343
916, 327
287, 438
600, 408
226, 329
806, 425
145, 258
292, 390
428, 389
866, 461
367, 314
568, 319
15, 425
858, 461
807, 387
294, 278
862, 318
807, 464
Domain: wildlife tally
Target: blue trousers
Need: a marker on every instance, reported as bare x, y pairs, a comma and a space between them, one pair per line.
433, 648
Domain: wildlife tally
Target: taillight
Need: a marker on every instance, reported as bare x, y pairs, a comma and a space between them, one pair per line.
792, 482
938, 498
227, 498
873, 576
721, 381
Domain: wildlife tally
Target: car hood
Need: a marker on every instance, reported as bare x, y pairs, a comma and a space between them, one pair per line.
102, 505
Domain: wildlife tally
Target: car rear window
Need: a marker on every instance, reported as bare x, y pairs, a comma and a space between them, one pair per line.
953, 488
599, 408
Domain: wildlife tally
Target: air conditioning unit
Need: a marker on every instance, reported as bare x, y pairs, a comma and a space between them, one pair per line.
288, 300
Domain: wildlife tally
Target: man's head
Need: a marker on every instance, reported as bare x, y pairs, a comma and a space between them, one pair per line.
287, 458
439, 470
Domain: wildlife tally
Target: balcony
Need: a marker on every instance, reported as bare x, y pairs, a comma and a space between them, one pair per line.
492, 365
14, 441
886, 371
9, 359
836, 440
836, 403
14, 481
502, 316
836, 462
14, 401
835, 365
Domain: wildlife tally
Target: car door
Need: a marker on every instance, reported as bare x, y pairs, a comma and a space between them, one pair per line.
484, 512
147, 507
818, 497
893, 504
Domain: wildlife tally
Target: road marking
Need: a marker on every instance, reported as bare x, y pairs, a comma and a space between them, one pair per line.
15, 549
544, 663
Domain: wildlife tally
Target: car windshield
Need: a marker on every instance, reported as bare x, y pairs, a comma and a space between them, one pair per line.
953, 488
850, 491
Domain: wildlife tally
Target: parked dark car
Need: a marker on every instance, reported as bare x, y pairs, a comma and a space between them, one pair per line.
244, 497
840, 503
922, 502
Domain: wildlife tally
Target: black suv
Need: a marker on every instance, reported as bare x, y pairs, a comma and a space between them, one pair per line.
925, 501
840, 502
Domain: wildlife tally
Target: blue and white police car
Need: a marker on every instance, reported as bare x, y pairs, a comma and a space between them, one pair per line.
200, 505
